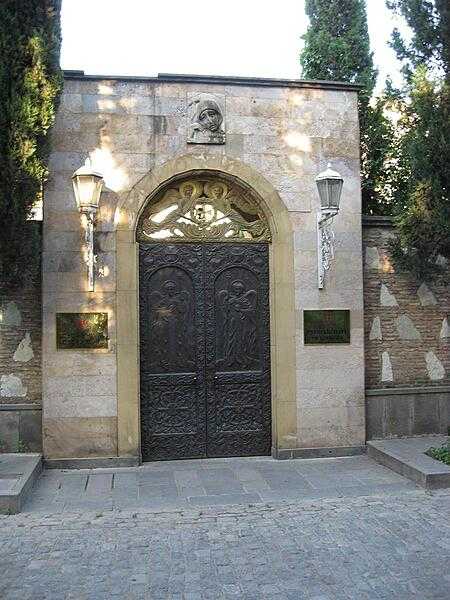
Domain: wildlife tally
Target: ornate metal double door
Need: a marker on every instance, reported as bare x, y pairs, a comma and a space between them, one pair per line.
205, 350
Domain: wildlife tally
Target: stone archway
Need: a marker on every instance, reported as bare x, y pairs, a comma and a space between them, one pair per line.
204, 320
284, 410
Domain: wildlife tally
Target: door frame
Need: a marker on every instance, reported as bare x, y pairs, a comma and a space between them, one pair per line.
281, 295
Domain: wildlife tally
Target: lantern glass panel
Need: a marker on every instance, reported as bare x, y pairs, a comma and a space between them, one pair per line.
335, 192
330, 193
87, 190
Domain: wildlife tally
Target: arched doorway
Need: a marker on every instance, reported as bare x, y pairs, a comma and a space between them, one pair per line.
204, 320
282, 300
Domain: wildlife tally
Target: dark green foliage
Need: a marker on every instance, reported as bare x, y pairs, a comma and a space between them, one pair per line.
379, 156
422, 201
337, 47
337, 43
422, 205
30, 83
442, 453
429, 21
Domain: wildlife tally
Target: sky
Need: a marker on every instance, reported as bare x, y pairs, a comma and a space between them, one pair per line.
255, 38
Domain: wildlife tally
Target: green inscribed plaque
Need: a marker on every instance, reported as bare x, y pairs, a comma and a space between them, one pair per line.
326, 326
81, 331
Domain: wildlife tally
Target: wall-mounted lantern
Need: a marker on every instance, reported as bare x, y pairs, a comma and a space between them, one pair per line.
87, 185
329, 184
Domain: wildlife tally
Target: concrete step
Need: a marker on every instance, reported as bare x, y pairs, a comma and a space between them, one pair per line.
18, 473
407, 457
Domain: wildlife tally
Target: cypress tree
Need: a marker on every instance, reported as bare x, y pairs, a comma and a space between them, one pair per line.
337, 43
422, 204
337, 47
30, 83
429, 21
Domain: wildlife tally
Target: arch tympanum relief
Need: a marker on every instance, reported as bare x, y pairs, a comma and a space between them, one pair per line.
203, 209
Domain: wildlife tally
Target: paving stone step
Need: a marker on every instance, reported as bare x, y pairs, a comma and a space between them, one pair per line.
407, 457
18, 473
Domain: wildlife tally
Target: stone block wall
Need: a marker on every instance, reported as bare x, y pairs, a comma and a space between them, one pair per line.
20, 368
407, 344
405, 412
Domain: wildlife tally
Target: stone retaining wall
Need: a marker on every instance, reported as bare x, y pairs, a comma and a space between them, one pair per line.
20, 369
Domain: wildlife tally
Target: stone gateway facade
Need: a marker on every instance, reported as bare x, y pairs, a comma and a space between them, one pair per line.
206, 261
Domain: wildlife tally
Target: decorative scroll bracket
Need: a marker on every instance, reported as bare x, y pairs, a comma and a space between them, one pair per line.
90, 258
325, 248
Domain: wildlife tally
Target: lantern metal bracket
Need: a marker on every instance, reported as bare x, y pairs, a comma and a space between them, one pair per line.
91, 258
325, 247
329, 185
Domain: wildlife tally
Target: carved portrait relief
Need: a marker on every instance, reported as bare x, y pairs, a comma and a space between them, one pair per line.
206, 120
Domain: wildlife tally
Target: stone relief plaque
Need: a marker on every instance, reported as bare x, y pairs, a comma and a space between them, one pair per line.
76, 331
206, 119
326, 326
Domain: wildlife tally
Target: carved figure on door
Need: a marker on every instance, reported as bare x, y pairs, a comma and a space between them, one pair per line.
170, 326
239, 347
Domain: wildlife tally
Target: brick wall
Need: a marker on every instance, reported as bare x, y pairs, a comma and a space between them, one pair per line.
405, 321
20, 368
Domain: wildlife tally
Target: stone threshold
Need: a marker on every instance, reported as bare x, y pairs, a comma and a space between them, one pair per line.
325, 452
377, 221
134, 461
404, 391
21, 406
92, 463
407, 457
18, 474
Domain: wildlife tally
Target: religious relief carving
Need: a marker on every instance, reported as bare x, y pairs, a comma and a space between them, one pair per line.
170, 310
238, 348
206, 120
204, 210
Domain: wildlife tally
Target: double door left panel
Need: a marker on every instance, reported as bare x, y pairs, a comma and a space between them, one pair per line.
172, 352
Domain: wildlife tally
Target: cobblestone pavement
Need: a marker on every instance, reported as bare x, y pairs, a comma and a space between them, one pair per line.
392, 547
203, 483
250, 529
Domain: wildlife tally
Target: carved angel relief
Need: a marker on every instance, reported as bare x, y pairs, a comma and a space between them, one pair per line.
204, 210
239, 335
170, 324
206, 120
